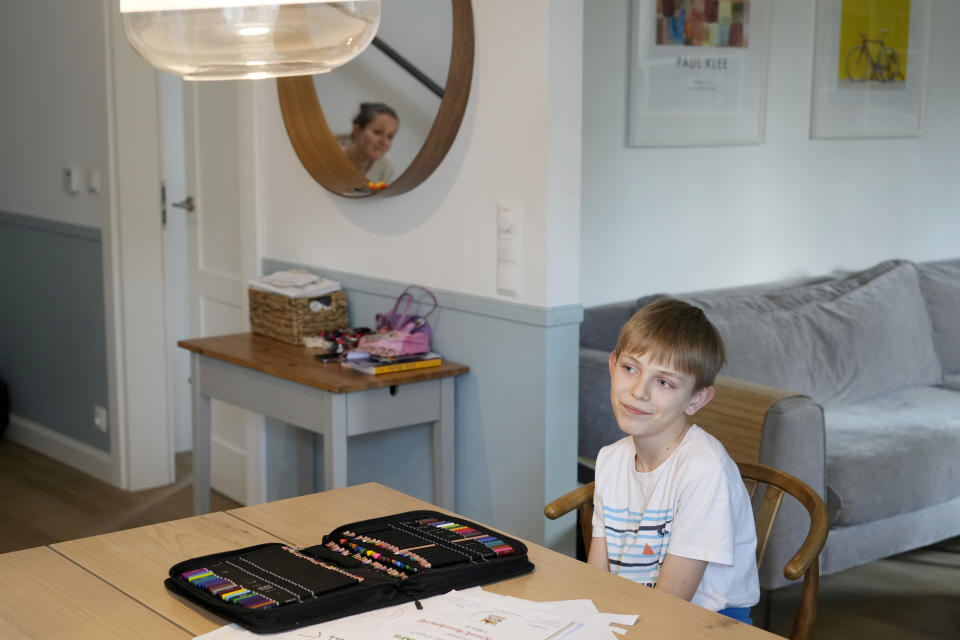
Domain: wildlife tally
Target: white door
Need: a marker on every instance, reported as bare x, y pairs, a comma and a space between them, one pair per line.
221, 256
175, 257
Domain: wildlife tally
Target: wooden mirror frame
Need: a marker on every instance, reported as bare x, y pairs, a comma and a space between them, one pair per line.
317, 147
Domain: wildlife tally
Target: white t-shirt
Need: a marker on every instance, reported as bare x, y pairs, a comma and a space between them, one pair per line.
693, 505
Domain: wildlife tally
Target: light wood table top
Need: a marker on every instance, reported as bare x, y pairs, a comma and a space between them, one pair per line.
306, 519
296, 363
47, 596
122, 574
136, 561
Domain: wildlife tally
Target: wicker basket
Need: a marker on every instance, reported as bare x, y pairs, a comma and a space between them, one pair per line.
289, 319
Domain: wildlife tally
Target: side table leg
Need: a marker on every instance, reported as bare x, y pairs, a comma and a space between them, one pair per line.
200, 408
444, 449
335, 444
305, 484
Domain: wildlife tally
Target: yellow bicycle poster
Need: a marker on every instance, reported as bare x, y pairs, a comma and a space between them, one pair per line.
874, 40
862, 87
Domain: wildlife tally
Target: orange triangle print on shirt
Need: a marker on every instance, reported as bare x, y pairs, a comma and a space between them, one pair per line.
647, 551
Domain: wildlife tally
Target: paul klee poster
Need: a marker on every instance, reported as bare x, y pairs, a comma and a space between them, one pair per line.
703, 23
697, 72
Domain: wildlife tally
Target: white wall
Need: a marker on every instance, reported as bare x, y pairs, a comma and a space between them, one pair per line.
443, 234
673, 220
53, 60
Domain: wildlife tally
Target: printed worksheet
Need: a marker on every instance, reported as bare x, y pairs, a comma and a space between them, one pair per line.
472, 614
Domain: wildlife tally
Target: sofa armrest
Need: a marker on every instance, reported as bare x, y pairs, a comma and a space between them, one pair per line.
780, 429
597, 426
772, 426
736, 415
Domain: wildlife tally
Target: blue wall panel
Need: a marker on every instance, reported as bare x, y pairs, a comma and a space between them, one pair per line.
52, 331
516, 411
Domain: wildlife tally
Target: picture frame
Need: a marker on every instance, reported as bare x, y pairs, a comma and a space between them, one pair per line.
870, 68
697, 72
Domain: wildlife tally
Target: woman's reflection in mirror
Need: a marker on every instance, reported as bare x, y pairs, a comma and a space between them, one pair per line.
373, 130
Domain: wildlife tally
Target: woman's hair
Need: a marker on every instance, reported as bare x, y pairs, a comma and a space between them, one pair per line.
370, 110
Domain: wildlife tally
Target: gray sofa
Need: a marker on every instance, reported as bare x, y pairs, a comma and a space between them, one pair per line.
860, 398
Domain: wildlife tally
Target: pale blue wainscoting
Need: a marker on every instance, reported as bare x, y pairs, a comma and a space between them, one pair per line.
516, 414
52, 335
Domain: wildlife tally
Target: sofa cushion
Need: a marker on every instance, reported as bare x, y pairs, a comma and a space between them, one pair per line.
893, 454
756, 297
601, 324
839, 342
598, 426
940, 284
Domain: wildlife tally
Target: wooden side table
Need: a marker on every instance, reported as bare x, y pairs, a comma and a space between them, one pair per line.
284, 382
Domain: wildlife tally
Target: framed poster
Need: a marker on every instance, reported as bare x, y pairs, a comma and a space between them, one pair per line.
870, 68
697, 72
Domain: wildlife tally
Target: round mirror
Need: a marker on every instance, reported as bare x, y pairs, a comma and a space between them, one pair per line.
402, 74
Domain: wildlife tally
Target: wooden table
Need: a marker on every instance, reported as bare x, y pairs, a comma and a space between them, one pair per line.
285, 382
47, 596
135, 562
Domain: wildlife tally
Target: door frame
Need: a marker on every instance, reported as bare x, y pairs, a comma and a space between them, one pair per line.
141, 434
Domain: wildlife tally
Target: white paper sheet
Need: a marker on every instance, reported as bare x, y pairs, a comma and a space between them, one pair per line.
473, 614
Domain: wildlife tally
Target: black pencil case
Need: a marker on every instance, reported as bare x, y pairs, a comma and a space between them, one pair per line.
358, 567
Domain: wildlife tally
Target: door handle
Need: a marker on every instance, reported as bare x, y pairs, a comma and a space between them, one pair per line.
187, 204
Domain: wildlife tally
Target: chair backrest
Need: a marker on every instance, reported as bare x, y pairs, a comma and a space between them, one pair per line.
805, 563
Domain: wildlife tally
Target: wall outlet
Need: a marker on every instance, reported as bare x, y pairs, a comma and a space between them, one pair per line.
100, 418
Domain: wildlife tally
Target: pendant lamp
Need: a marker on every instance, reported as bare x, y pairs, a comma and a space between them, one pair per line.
231, 39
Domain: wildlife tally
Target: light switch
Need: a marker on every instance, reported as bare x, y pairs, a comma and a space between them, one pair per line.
71, 179
508, 248
508, 279
93, 180
506, 216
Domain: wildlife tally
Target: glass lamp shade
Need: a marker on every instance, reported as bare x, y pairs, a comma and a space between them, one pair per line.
230, 39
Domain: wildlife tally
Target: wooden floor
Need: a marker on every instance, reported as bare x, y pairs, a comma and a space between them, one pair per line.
913, 596
43, 501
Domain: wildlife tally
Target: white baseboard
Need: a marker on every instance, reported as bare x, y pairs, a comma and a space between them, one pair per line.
61, 448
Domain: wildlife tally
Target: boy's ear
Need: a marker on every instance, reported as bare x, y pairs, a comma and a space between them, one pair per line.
699, 400
613, 361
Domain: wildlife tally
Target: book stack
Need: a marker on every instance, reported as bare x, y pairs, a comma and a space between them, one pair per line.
377, 365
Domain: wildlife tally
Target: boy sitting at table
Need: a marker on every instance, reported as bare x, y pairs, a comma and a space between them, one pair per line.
670, 508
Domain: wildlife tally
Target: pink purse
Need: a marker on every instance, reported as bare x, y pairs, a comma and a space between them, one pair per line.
394, 343
400, 332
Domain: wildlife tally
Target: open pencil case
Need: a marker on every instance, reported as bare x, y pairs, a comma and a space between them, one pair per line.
357, 567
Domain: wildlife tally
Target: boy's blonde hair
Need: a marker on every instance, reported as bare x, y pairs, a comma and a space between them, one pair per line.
678, 335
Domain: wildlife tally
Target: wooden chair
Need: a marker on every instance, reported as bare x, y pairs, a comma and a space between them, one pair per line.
805, 563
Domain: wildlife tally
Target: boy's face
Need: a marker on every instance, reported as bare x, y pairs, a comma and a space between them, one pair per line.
651, 398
